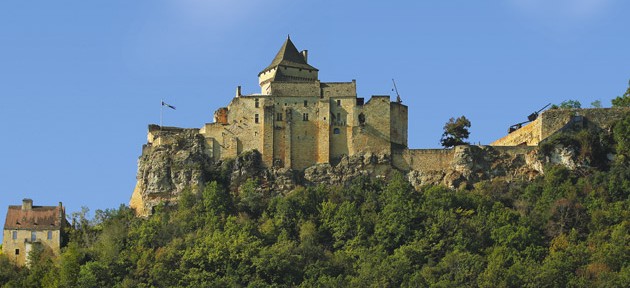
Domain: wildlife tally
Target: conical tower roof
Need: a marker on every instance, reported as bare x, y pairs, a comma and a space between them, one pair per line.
289, 56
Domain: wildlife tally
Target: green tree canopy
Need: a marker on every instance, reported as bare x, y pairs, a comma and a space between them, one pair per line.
624, 100
569, 104
455, 132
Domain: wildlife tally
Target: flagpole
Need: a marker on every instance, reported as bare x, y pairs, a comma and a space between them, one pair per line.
161, 112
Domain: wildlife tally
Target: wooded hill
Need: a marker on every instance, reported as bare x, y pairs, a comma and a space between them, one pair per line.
566, 228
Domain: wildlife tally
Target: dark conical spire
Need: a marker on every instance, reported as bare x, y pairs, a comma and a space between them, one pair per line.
288, 55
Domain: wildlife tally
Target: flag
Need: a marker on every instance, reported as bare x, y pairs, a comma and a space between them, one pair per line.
169, 106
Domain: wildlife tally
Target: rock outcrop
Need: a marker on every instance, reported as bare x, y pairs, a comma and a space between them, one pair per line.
178, 161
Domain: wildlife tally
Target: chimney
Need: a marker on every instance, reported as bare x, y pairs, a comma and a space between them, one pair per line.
62, 214
305, 55
27, 204
238, 91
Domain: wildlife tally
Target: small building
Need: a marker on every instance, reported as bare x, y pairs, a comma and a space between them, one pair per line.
27, 227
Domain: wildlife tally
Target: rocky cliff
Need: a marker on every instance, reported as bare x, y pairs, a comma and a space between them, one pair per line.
179, 161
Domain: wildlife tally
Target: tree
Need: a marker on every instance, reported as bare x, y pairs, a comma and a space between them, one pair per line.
455, 132
570, 104
624, 100
596, 104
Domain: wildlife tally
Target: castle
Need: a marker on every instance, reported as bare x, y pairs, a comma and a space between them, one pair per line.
297, 121
323, 133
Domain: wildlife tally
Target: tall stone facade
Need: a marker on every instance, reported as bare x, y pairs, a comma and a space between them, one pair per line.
297, 121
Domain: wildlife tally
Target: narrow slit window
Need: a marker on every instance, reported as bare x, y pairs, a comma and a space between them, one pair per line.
338, 102
279, 117
17, 251
305, 117
255, 118
33, 236
50, 235
14, 235
305, 103
257, 103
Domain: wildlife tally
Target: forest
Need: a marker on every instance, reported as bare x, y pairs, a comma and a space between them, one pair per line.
566, 228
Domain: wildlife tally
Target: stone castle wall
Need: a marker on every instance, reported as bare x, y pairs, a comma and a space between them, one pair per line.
374, 135
554, 120
398, 124
602, 118
529, 135
423, 159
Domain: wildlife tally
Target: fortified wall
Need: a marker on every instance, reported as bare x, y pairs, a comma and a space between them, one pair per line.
555, 120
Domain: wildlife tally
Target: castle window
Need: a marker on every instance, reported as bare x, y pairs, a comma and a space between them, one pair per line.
33, 236
17, 251
255, 118
256, 103
279, 117
14, 235
305, 117
49, 235
336, 131
338, 102
305, 103
361, 118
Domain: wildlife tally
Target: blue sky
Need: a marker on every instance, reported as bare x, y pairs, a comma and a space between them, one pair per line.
81, 80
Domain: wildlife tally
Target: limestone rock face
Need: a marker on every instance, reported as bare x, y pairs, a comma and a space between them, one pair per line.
349, 168
165, 170
565, 156
180, 161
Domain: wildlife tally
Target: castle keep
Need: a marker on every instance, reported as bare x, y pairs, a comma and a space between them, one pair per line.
297, 121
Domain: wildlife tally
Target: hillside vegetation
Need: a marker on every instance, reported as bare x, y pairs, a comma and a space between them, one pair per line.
566, 228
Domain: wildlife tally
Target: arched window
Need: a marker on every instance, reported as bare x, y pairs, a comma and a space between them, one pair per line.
336, 131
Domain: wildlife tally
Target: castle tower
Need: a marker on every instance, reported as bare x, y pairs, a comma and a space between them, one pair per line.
289, 65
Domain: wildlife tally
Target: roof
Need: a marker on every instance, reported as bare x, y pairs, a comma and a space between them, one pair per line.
288, 55
38, 217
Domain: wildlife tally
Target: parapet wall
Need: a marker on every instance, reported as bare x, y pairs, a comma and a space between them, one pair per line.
554, 120
528, 135
603, 118
159, 135
423, 159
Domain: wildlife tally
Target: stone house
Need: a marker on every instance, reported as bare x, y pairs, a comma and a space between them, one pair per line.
27, 226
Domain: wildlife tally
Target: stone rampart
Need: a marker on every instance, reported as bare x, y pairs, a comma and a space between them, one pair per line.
423, 159
603, 118
554, 120
529, 135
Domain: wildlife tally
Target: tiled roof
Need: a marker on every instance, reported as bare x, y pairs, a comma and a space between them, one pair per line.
38, 217
289, 56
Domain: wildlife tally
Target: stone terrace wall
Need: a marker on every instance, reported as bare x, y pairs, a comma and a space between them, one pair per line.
423, 159
554, 120
529, 134
603, 118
